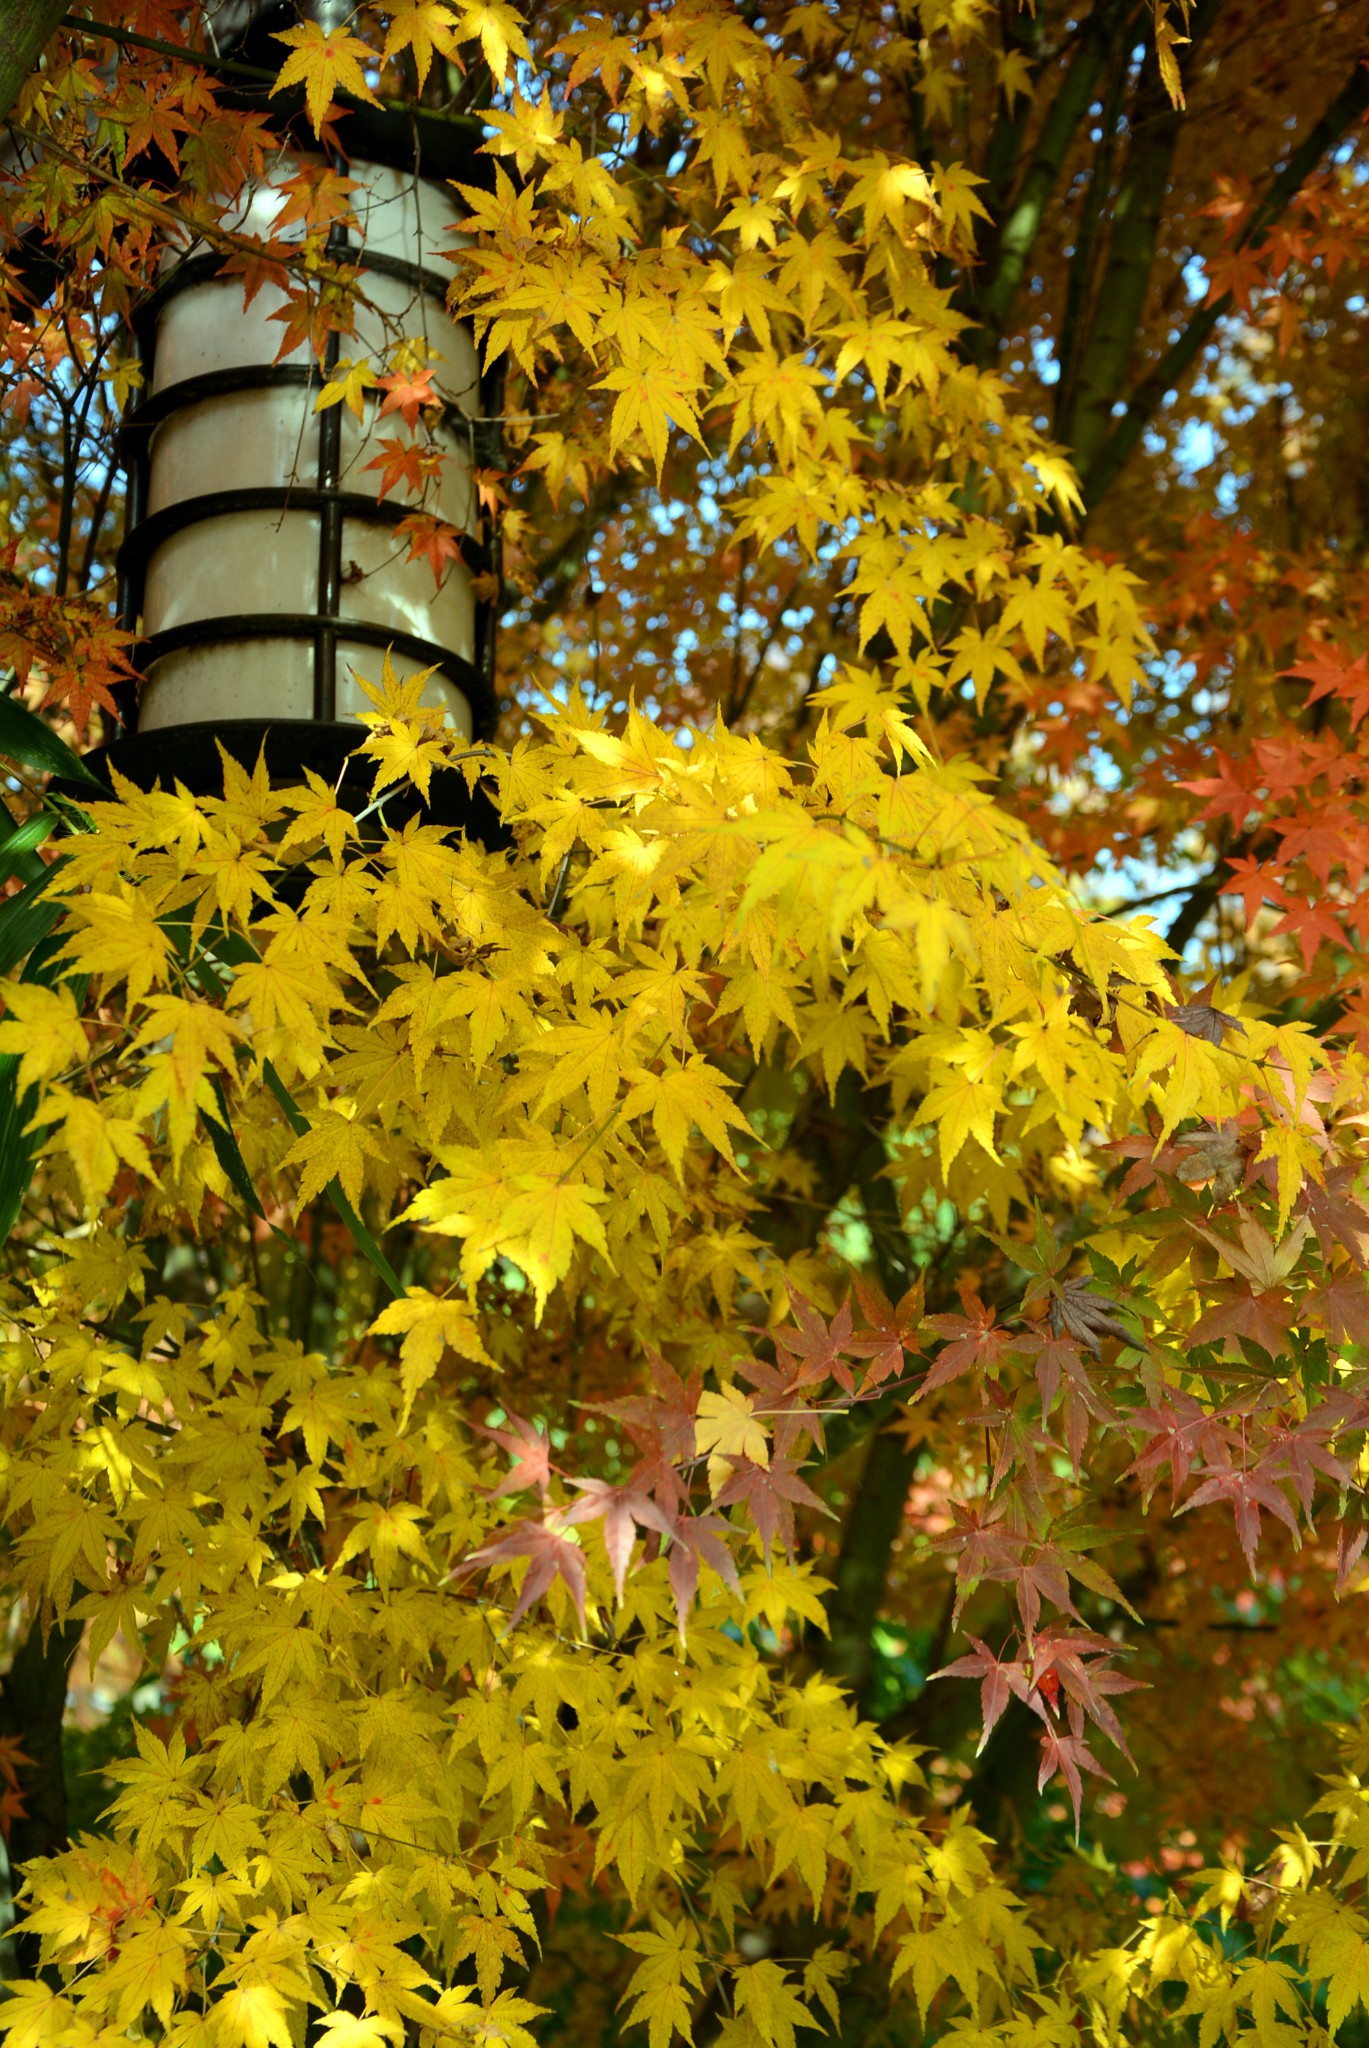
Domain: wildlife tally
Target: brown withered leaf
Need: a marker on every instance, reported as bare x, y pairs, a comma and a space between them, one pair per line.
1200, 1020
1211, 1153
1087, 1317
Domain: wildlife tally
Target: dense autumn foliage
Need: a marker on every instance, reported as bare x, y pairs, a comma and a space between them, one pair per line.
747, 1412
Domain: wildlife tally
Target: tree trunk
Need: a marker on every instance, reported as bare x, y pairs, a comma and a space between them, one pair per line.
26, 26
32, 1702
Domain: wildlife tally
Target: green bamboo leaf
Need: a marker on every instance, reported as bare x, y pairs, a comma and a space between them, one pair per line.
27, 918
299, 1124
31, 742
18, 851
228, 1152
17, 1153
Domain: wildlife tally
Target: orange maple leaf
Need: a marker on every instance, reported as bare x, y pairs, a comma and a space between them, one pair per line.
429, 537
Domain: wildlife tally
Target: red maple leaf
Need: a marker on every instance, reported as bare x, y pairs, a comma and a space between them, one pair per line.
623, 1510
1247, 1493
663, 1422
814, 1350
1341, 1306
1330, 839
552, 1555
1063, 1655
1001, 1679
891, 1331
1069, 1755
1302, 1450
770, 1493
1239, 1311
974, 1342
531, 1454
433, 540
405, 463
1336, 1216
1253, 881
1228, 796
789, 1416
1332, 676
1316, 924
696, 1540
407, 392
1180, 1430
1349, 1550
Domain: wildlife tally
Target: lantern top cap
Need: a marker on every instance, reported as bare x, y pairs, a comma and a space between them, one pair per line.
444, 147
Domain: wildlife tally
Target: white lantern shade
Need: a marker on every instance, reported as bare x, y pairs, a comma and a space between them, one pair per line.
227, 416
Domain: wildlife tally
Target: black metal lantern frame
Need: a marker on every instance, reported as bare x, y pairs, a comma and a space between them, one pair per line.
416, 144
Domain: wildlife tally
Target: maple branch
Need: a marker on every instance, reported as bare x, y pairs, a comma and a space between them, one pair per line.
739, 698
1203, 893
992, 302
1021, 31
846, 1148
1079, 291
1083, 420
25, 31
861, 1571
233, 67
1348, 106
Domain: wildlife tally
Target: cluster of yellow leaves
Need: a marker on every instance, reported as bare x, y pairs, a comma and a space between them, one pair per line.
571, 1094
805, 322
325, 60
561, 1046
366, 1759
1278, 1955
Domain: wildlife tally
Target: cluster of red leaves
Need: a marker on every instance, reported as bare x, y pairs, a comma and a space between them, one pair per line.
669, 1493
1296, 809
12, 1762
1323, 229
69, 644
1071, 1360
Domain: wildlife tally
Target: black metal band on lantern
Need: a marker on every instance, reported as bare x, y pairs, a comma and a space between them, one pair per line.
248, 626
389, 142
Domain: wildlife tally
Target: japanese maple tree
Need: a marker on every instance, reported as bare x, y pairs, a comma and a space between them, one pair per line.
745, 1413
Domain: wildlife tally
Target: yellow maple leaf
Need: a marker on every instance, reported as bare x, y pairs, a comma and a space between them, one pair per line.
680, 1098
961, 1107
322, 60
336, 1147
189, 1038
662, 1983
36, 2015
541, 1226
94, 1141
884, 189
650, 402
122, 941
150, 1969
43, 1027
430, 1325
421, 26
253, 2015
765, 1995
405, 733
727, 1427
347, 387
499, 28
